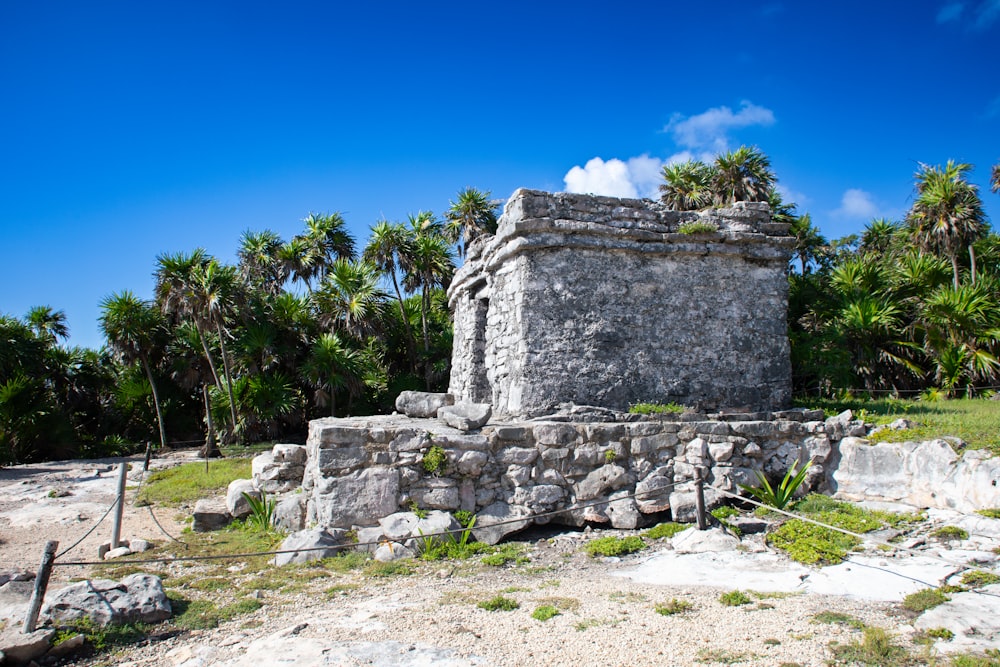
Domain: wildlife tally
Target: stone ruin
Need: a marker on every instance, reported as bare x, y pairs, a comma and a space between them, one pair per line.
607, 302
578, 307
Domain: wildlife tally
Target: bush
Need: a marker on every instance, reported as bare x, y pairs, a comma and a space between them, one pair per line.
544, 613
923, 600
668, 529
499, 603
675, 606
735, 598
614, 546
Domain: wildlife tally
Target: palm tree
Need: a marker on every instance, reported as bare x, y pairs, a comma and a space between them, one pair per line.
260, 264
332, 366
687, 186
809, 242
995, 178
880, 235
48, 324
390, 249
349, 298
213, 300
947, 215
742, 175
130, 324
469, 217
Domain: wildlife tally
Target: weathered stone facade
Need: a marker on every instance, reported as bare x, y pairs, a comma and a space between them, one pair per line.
602, 301
362, 469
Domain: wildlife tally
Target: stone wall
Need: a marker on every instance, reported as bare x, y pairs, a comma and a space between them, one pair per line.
601, 301
360, 470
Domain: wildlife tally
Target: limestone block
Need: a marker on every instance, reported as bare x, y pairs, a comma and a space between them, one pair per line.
235, 502
210, 514
422, 404
465, 416
357, 498
390, 551
137, 598
653, 494
546, 494
290, 513
555, 434
398, 526
336, 459
285, 453
471, 463
315, 544
518, 455
518, 475
606, 477
17, 648
720, 451
438, 498
694, 541
623, 512
488, 528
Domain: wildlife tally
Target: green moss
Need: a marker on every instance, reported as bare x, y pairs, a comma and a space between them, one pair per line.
979, 578
695, 228
668, 529
673, 607
923, 600
990, 513
544, 613
948, 533
614, 546
735, 598
656, 409
837, 618
499, 603
809, 543
506, 553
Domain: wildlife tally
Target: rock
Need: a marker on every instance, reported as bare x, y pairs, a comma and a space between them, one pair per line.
289, 454
17, 648
358, 498
623, 512
236, 503
279, 649
653, 494
66, 647
682, 504
973, 617
117, 553
137, 598
465, 416
488, 529
138, 546
317, 544
606, 477
694, 541
278, 473
290, 513
435, 522
390, 551
210, 514
422, 404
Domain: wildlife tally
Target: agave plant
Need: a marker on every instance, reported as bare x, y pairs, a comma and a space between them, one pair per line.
261, 517
778, 497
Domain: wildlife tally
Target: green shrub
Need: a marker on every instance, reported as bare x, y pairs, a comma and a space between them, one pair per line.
668, 529
735, 598
778, 497
673, 607
499, 603
615, 546
544, 613
923, 600
876, 648
261, 517
434, 460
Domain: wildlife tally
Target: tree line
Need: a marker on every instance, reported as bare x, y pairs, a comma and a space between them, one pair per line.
312, 326
317, 325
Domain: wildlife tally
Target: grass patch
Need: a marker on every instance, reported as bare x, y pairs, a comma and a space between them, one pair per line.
506, 553
668, 529
394, 568
837, 618
624, 597
544, 613
614, 546
499, 603
205, 614
923, 600
722, 655
734, 598
656, 409
876, 648
189, 482
975, 420
695, 228
949, 533
989, 659
673, 607
103, 638
979, 578
990, 513
561, 603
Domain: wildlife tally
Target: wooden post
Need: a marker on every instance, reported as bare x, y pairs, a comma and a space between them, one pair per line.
116, 528
699, 496
149, 455
41, 584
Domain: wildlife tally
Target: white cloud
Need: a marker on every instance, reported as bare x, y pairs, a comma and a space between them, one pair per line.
793, 197
856, 204
638, 177
987, 13
709, 130
950, 12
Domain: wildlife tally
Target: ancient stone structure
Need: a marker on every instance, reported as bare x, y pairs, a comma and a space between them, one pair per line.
608, 302
362, 469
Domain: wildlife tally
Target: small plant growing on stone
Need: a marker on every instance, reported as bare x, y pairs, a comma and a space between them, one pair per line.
673, 607
499, 603
656, 409
661, 530
609, 456
545, 612
735, 598
778, 497
465, 518
990, 513
615, 546
435, 460
923, 600
699, 227
415, 508
948, 533
506, 553
979, 578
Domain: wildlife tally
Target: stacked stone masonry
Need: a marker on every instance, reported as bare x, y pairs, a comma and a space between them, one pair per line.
360, 470
603, 301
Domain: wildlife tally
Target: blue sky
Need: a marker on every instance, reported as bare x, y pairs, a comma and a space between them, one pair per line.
128, 129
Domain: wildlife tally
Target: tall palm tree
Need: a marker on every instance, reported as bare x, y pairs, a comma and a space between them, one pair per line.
947, 215
390, 249
214, 297
687, 186
742, 175
808, 241
470, 216
129, 324
332, 365
429, 267
260, 264
349, 298
47, 323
